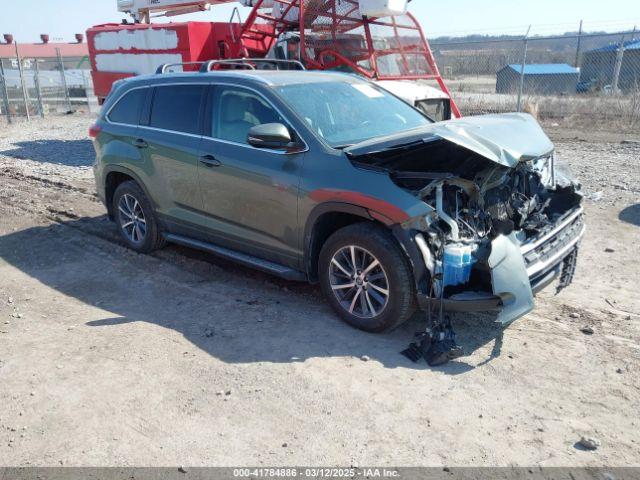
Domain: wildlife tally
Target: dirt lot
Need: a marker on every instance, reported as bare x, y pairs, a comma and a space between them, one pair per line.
112, 358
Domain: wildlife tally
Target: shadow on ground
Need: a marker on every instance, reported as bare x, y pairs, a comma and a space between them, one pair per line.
233, 313
75, 153
631, 214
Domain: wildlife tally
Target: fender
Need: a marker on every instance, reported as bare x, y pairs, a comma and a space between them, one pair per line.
381, 210
421, 275
114, 168
316, 213
404, 237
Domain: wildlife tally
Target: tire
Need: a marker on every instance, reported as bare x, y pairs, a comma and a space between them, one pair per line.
393, 268
140, 231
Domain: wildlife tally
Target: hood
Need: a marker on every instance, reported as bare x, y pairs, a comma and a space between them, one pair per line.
506, 139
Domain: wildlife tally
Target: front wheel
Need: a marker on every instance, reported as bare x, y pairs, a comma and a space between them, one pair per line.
366, 278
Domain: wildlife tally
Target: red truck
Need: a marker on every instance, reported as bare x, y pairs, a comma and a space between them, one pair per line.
378, 39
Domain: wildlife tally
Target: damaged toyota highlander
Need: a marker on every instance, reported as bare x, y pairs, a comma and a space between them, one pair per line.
328, 178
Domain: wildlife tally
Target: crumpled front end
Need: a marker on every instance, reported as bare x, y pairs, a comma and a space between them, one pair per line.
502, 220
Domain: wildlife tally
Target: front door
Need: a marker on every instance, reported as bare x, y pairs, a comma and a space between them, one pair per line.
250, 195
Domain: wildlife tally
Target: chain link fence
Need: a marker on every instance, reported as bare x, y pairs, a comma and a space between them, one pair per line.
31, 87
587, 78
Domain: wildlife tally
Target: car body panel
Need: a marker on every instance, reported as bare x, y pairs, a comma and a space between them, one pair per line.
330, 179
115, 148
509, 278
505, 139
171, 161
252, 198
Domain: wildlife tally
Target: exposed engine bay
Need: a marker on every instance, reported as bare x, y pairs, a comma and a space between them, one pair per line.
502, 222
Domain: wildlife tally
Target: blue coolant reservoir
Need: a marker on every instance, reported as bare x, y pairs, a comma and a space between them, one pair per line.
456, 263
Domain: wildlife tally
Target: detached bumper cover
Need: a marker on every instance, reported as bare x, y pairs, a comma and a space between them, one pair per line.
509, 278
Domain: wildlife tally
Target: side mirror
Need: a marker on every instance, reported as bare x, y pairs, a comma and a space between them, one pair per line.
270, 135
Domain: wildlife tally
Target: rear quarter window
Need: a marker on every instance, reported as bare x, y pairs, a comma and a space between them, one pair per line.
177, 108
127, 110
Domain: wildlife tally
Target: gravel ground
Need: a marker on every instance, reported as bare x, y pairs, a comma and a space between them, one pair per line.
108, 357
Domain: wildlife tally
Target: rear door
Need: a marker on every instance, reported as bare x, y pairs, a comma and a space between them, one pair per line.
170, 137
250, 195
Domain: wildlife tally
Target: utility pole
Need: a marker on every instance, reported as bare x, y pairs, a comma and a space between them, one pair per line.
524, 62
577, 63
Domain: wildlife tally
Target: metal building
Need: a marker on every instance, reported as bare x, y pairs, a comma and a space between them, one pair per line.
545, 79
617, 63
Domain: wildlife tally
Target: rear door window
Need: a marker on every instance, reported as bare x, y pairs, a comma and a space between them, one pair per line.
128, 109
177, 108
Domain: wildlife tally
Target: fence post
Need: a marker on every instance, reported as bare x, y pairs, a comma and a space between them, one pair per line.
36, 81
524, 62
618, 66
25, 96
64, 79
85, 84
5, 92
578, 47
615, 82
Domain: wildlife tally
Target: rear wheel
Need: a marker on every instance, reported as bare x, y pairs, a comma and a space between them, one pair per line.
136, 219
366, 277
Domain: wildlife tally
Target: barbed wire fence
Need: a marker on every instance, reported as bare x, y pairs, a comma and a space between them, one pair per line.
36, 87
582, 77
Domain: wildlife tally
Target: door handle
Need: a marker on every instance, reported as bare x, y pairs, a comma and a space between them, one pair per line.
210, 161
140, 143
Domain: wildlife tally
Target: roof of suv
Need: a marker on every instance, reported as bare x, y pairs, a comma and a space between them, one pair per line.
269, 77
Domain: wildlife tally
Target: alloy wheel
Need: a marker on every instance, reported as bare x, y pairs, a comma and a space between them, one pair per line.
359, 282
132, 220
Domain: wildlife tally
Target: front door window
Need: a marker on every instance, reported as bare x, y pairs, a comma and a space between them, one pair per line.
237, 110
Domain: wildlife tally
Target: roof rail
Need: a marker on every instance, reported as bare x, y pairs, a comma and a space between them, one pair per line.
248, 63
165, 66
208, 65
254, 64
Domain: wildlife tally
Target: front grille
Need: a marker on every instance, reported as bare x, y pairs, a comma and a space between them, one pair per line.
550, 248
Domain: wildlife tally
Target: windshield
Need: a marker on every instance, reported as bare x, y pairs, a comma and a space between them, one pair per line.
345, 113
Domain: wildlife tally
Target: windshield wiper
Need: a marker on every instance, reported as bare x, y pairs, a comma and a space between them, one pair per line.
342, 147
391, 153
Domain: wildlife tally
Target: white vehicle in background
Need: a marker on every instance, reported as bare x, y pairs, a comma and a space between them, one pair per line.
433, 102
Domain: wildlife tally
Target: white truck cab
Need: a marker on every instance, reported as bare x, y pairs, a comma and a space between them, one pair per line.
433, 102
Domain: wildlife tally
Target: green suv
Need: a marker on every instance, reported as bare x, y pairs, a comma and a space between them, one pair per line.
328, 178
